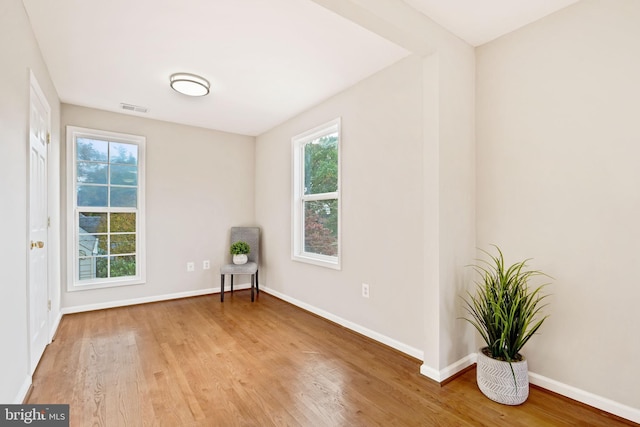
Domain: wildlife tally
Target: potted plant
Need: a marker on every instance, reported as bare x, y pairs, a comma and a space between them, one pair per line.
239, 250
507, 312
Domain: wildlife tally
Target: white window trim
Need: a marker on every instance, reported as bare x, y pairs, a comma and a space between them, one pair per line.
73, 283
298, 198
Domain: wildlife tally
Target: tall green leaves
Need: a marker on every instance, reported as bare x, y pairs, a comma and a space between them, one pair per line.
505, 310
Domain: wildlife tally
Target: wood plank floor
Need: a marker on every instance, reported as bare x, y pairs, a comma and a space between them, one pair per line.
197, 362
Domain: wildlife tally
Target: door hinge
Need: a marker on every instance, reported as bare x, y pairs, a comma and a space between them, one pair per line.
49, 305
48, 221
48, 138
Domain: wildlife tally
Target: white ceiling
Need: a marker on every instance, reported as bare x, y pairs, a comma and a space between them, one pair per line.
480, 21
266, 60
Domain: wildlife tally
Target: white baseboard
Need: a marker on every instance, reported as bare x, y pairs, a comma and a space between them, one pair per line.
585, 397
430, 372
54, 327
599, 402
22, 394
404, 348
134, 301
449, 371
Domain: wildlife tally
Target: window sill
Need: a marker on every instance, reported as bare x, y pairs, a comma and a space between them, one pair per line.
73, 287
327, 262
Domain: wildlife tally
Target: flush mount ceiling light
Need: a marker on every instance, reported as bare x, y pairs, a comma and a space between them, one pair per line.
189, 84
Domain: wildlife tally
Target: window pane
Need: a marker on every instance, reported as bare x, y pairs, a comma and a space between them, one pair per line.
124, 197
92, 149
87, 268
87, 245
123, 266
92, 195
321, 165
92, 173
123, 222
123, 153
124, 175
321, 227
91, 222
102, 267
123, 243
92, 267
91, 244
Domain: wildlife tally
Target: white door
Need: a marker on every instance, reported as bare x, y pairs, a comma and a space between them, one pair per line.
38, 224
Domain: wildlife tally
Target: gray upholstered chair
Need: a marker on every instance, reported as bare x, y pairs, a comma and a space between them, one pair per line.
251, 235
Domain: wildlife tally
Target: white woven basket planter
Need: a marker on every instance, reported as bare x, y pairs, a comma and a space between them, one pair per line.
495, 380
240, 259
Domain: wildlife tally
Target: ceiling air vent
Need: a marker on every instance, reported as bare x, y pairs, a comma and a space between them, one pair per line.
131, 107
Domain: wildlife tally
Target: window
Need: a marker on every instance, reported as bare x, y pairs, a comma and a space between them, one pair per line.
105, 191
316, 196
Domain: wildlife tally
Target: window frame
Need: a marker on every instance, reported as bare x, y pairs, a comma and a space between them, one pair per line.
298, 198
73, 263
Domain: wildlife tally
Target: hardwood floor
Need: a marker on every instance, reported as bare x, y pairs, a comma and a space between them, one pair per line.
197, 362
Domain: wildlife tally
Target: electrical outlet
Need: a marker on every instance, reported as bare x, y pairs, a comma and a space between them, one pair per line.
191, 266
206, 264
365, 290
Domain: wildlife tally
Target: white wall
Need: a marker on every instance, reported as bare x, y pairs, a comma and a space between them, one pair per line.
389, 155
558, 134
447, 171
19, 52
408, 186
199, 183
456, 198
381, 206
449, 207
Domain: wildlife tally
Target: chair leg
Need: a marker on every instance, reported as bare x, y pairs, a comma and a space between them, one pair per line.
257, 284
232, 283
222, 288
253, 277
